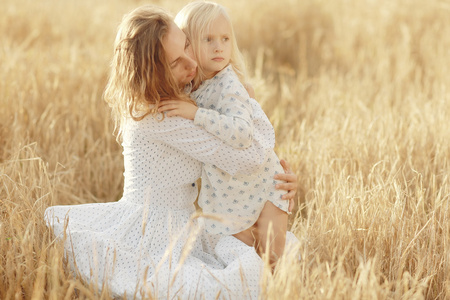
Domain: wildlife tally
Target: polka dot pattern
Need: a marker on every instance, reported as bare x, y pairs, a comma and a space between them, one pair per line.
147, 242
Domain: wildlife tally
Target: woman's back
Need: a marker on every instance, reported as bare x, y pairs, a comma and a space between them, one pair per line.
156, 173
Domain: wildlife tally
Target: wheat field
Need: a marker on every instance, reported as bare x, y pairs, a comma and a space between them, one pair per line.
358, 93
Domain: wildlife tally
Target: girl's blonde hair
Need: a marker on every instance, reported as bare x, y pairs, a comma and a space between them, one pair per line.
140, 74
195, 20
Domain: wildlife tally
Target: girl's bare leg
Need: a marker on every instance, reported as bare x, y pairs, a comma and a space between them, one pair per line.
261, 238
271, 232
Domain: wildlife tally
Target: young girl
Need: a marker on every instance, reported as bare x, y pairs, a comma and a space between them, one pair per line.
250, 207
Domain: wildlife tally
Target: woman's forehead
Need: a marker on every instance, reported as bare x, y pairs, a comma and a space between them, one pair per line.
174, 42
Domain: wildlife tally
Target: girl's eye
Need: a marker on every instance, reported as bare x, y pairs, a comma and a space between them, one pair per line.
226, 39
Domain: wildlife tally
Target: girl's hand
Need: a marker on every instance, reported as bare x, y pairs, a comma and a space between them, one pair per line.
178, 108
290, 185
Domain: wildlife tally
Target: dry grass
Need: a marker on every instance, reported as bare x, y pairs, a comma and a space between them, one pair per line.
358, 92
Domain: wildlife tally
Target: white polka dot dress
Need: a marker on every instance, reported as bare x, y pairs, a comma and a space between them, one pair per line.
227, 111
147, 243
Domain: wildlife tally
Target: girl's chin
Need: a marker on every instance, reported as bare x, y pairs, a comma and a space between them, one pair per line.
211, 74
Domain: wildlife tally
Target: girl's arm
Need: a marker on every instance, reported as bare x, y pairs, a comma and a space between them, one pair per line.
232, 123
228, 114
250, 90
196, 142
234, 127
227, 110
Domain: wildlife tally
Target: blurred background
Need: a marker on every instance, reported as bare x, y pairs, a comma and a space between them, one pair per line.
358, 93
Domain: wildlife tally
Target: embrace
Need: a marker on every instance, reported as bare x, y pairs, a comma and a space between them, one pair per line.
183, 110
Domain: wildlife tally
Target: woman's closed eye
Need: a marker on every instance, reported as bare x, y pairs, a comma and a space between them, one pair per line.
174, 63
188, 43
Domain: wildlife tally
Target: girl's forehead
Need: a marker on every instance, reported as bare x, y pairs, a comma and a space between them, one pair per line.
220, 23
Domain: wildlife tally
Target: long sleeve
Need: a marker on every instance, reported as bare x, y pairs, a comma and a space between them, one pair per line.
201, 145
232, 123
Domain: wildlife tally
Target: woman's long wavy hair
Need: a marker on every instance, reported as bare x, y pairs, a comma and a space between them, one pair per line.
140, 74
195, 20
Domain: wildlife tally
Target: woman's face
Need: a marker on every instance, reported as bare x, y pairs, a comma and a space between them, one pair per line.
179, 54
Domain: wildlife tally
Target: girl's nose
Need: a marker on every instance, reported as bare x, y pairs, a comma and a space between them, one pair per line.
217, 47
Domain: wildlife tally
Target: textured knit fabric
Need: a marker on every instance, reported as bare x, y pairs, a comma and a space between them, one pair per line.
227, 111
147, 243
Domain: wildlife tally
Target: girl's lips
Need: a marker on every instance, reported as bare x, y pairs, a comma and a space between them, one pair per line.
217, 58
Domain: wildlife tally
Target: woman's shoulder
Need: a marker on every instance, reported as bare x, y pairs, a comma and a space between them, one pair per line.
158, 122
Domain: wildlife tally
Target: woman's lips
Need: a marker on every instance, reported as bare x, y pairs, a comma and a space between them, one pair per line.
192, 74
219, 59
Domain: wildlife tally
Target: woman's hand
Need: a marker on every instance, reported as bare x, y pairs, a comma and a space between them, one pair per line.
290, 185
178, 108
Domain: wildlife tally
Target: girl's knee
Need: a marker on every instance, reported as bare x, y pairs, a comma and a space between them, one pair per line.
272, 213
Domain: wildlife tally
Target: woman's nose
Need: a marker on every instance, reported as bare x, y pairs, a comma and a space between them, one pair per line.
192, 64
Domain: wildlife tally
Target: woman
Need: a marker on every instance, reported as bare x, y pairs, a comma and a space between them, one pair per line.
147, 243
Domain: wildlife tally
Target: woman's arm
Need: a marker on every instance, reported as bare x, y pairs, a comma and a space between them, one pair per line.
196, 142
290, 185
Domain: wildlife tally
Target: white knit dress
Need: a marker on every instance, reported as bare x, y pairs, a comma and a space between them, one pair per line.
147, 243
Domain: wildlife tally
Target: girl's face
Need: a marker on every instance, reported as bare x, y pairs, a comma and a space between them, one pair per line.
215, 47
